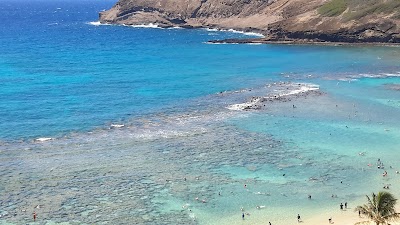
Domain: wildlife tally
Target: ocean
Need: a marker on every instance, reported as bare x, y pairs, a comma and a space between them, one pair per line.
106, 124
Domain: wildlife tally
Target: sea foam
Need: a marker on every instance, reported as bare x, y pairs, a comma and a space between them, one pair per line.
378, 75
150, 25
234, 31
245, 33
285, 90
43, 139
98, 23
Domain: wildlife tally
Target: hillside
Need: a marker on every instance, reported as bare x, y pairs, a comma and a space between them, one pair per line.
279, 20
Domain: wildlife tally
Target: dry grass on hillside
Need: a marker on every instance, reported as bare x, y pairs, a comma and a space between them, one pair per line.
358, 9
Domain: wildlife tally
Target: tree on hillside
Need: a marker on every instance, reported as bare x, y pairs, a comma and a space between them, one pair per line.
380, 208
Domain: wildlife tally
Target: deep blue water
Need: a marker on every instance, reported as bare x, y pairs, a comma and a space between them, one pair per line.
60, 74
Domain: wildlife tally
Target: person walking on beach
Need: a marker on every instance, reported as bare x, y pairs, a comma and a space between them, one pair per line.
298, 218
341, 206
34, 216
345, 205
269, 223
242, 215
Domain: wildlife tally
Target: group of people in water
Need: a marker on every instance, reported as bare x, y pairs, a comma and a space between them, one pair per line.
380, 165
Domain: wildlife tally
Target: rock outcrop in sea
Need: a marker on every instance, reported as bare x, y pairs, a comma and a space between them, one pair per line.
350, 21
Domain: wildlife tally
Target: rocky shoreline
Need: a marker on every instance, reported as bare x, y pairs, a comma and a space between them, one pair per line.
331, 22
298, 42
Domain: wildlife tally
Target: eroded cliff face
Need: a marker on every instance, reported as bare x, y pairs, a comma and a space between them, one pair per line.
239, 14
350, 21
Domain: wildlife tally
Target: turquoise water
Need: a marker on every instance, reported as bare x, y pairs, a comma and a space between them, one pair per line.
143, 124
60, 74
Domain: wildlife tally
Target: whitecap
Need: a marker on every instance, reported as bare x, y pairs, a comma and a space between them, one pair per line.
176, 27
117, 125
234, 31
211, 29
372, 75
150, 25
43, 139
246, 33
98, 23
297, 88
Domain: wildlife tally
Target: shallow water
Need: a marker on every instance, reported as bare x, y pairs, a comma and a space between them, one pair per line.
105, 124
163, 168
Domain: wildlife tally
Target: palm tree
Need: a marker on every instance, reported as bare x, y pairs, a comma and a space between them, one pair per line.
380, 208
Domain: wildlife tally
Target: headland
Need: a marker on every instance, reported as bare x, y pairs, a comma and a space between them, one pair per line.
280, 21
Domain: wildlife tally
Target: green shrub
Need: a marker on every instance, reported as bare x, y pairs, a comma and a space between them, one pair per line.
333, 8
380, 7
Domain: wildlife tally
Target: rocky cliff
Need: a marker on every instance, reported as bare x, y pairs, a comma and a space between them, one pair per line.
279, 20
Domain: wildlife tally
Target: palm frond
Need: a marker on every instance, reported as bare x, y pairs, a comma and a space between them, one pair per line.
380, 208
